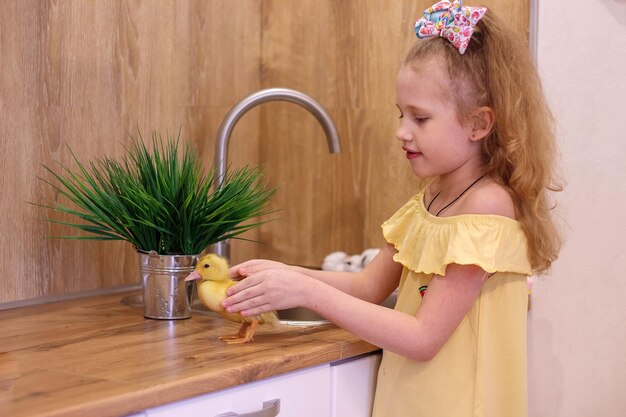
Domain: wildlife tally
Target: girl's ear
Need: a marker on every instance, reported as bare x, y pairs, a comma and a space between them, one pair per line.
482, 120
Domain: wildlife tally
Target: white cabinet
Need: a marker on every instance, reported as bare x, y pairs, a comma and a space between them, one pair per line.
303, 393
352, 386
339, 389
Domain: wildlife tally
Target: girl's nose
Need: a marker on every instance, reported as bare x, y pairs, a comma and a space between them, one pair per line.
402, 133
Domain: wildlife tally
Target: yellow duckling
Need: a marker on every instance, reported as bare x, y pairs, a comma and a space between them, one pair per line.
212, 270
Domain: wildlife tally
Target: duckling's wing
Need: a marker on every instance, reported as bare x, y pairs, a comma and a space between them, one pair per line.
212, 294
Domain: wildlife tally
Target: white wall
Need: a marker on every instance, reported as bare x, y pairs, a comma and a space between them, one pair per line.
577, 343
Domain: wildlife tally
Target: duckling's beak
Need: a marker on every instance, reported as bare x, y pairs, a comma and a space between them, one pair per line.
193, 276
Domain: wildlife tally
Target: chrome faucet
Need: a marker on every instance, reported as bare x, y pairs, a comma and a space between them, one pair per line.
271, 94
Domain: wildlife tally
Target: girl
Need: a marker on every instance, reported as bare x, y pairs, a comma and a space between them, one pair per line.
474, 121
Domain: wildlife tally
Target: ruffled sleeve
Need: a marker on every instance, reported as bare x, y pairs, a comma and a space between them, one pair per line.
427, 244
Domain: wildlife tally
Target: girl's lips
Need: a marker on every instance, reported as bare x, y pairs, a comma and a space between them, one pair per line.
411, 154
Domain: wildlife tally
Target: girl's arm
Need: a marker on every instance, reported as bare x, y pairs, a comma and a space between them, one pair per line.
418, 337
374, 283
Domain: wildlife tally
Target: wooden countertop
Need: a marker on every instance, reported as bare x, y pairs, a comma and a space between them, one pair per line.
97, 357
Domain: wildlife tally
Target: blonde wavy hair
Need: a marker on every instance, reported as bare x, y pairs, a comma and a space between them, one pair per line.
496, 71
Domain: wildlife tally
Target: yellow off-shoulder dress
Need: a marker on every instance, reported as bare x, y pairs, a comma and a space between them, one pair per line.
481, 370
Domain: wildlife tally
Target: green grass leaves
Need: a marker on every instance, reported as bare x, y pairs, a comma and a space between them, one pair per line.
159, 199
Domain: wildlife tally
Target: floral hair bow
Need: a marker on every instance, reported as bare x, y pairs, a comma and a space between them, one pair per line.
450, 20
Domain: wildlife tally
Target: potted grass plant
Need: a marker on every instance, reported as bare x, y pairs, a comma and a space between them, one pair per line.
165, 204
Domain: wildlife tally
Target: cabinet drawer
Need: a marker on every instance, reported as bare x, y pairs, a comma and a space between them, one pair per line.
303, 393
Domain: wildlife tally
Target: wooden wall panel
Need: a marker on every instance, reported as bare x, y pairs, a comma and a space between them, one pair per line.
86, 74
346, 55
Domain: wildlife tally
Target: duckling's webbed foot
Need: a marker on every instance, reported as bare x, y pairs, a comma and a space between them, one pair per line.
244, 335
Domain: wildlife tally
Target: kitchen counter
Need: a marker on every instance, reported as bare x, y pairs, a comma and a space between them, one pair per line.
98, 357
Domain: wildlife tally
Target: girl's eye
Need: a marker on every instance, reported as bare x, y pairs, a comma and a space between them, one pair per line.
421, 120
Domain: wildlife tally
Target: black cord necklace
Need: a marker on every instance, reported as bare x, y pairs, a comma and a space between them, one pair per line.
453, 201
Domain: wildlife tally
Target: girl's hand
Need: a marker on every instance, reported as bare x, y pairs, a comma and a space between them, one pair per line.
247, 268
268, 289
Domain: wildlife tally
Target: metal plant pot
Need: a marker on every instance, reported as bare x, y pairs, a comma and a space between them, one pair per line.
165, 292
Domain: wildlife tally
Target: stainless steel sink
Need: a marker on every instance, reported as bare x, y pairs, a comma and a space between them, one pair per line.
300, 316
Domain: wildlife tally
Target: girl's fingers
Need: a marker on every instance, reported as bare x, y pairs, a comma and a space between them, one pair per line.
238, 273
250, 304
241, 292
254, 266
262, 288
256, 310
243, 269
246, 282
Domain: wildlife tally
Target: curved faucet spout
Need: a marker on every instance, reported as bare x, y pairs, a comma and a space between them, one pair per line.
271, 94
262, 96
